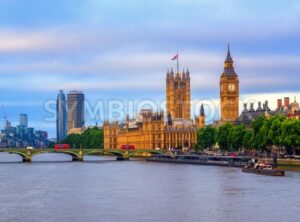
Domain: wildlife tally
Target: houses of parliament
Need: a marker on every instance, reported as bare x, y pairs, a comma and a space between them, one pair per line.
175, 128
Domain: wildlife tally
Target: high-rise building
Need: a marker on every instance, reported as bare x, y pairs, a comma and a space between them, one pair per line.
21, 136
75, 105
23, 120
229, 91
178, 94
7, 124
61, 116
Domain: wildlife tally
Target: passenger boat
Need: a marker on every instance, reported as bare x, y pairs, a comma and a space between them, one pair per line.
262, 169
201, 160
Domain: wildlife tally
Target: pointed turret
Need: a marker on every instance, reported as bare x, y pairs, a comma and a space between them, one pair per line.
228, 57
295, 100
168, 75
228, 64
178, 76
172, 73
202, 110
170, 122
183, 75
187, 73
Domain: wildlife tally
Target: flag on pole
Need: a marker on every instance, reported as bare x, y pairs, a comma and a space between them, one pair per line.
175, 57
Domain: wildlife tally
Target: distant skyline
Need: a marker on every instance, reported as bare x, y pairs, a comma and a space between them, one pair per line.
122, 50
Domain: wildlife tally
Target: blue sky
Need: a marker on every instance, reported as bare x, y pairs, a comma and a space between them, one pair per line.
122, 50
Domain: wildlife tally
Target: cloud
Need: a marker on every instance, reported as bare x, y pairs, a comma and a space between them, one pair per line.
12, 41
122, 49
146, 71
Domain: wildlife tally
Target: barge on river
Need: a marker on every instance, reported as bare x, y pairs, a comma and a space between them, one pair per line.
201, 160
267, 172
262, 169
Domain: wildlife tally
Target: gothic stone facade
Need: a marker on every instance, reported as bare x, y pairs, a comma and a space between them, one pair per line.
178, 94
150, 130
229, 92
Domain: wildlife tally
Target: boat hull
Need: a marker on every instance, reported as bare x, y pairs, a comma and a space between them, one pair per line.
267, 172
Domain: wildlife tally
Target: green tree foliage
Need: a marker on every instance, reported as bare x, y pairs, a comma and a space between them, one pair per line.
247, 140
275, 130
51, 144
223, 136
91, 138
265, 133
74, 140
256, 126
236, 137
206, 138
290, 136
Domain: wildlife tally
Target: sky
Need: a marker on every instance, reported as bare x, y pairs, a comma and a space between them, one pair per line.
118, 52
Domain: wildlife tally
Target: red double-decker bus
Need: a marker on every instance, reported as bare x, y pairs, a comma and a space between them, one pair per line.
127, 147
61, 146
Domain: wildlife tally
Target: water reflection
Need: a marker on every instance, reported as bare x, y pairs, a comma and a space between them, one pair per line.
103, 189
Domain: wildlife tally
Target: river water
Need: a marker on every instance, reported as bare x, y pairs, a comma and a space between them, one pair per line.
102, 189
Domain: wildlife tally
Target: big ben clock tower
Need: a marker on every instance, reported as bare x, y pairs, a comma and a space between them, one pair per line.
229, 91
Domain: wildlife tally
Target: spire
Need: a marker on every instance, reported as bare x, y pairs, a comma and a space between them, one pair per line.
187, 73
172, 73
170, 122
228, 57
228, 67
183, 74
202, 110
295, 101
168, 75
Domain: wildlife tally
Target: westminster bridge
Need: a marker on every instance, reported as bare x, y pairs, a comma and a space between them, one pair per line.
78, 154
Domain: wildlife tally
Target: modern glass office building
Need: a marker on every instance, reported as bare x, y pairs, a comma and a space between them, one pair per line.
75, 104
61, 116
23, 120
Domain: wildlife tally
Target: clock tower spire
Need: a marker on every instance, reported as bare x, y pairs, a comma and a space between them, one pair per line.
229, 91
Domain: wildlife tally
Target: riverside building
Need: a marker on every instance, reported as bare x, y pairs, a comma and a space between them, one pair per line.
156, 129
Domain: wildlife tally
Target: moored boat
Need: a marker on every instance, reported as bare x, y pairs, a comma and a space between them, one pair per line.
201, 160
267, 172
262, 169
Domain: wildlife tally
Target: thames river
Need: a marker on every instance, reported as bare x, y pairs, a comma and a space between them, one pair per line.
102, 189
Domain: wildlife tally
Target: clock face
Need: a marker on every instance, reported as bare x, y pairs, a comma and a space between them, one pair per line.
231, 87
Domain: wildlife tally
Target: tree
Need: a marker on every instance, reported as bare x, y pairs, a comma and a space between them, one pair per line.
275, 131
206, 137
223, 135
290, 136
74, 140
256, 126
261, 127
247, 140
236, 136
51, 144
91, 138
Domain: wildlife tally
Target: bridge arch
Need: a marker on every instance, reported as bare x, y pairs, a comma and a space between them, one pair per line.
145, 151
51, 156
93, 152
126, 154
26, 157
